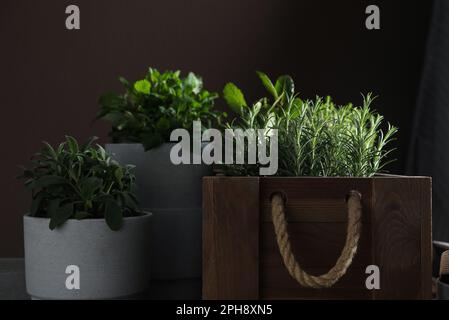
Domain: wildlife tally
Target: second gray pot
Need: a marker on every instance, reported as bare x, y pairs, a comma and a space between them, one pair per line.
173, 193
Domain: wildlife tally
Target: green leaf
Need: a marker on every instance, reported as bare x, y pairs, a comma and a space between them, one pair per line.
89, 143
61, 215
268, 84
118, 173
234, 97
80, 215
36, 203
113, 214
194, 82
50, 150
124, 82
152, 140
163, 124
110, 99
152, 75
26, 173
296, 108
49, 180
115, 118
129, 201
72, 144
89, 186
52, 208
142, 86
285, 84
102, 152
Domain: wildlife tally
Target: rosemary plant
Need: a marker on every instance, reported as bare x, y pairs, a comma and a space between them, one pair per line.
316, 137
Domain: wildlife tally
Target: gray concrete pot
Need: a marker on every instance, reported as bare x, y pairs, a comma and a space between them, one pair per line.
173, 193
111, 264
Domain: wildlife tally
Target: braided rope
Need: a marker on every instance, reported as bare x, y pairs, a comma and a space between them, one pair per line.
344, 261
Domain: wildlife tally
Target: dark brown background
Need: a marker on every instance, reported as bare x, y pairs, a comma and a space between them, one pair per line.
51, 77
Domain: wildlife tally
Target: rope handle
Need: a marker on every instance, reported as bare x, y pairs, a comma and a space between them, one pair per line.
327, 280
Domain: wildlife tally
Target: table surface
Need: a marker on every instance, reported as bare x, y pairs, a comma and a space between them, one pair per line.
12, 279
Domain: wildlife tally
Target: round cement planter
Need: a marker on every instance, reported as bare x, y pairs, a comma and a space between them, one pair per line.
110, 264
173, 193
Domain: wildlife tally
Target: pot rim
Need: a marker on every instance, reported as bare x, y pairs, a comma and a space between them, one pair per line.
139, 143
145, 215
136, 143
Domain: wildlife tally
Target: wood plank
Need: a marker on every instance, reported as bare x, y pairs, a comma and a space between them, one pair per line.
401, 237
314, 244
312, 210
354, 279
230, 238
318, 188
316, 209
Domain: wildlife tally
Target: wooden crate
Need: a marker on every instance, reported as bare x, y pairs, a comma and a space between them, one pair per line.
241, 259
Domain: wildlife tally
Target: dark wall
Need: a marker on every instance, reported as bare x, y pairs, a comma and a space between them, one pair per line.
51, 77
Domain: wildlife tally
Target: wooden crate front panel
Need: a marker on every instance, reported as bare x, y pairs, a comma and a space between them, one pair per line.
240, 256
317, 214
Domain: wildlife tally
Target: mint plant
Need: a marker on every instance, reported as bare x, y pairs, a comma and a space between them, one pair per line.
73, 181
316, 137
152, 107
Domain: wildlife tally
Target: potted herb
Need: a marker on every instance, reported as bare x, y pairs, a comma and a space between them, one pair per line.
84, 235
328, 224
142, 119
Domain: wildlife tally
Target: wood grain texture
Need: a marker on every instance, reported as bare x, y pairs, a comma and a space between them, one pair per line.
317, 212
396, 236
230, 238
315, 244
402, 237
309, 210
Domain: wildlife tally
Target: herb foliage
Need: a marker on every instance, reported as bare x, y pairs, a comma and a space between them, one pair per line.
151, 108
73, 181
315, 137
